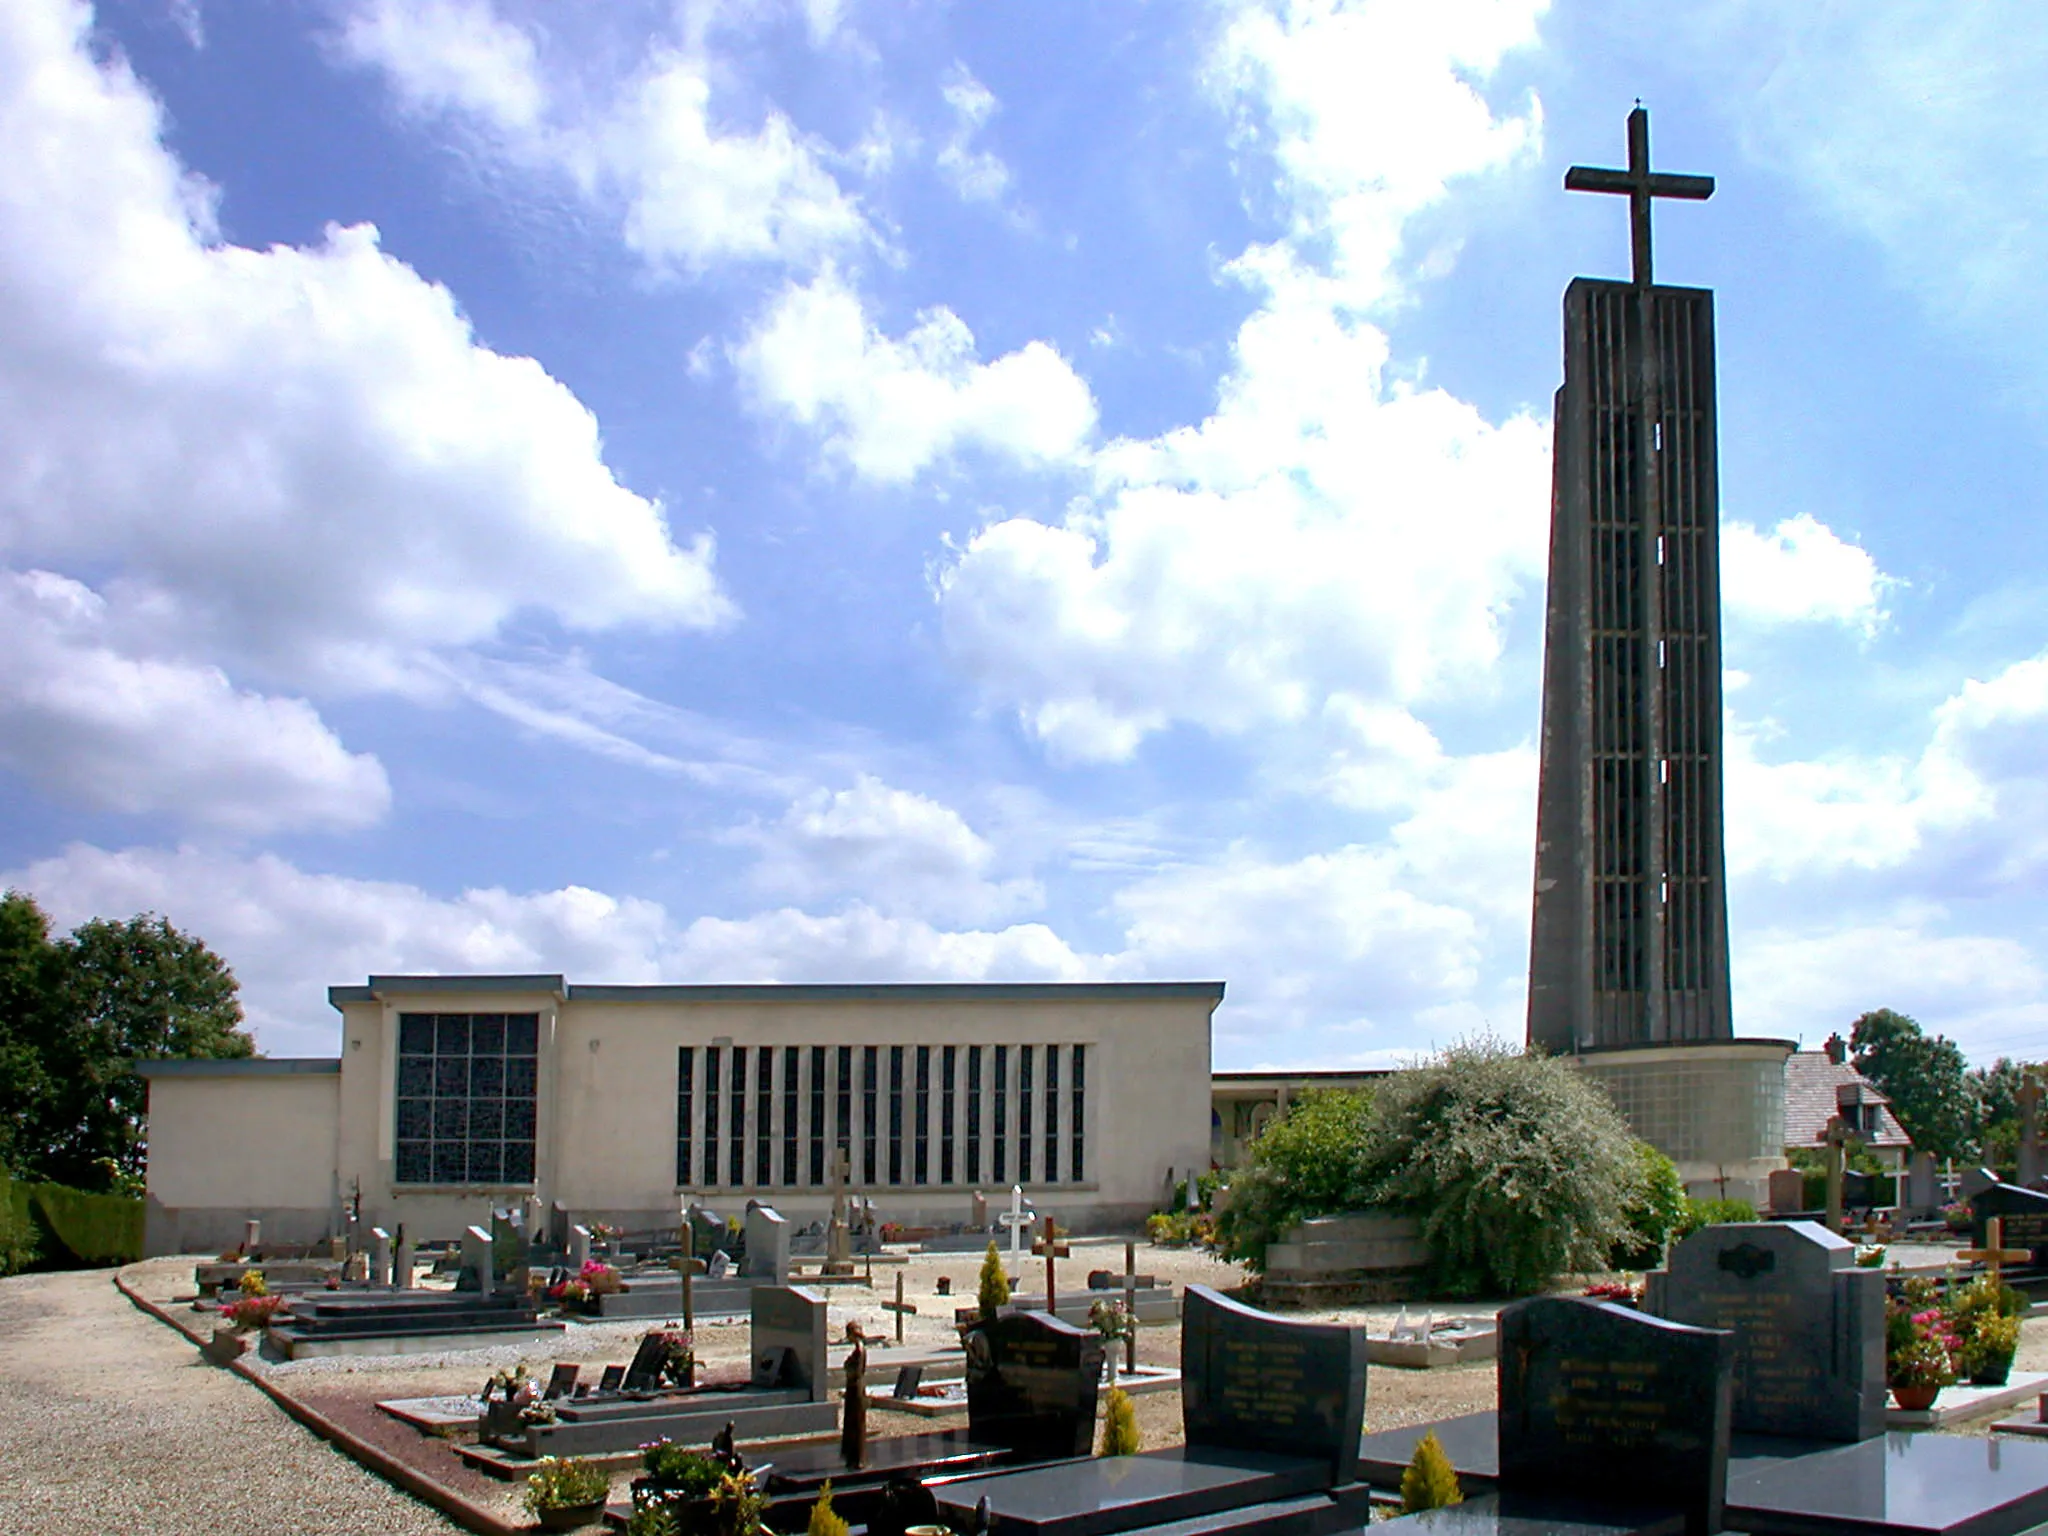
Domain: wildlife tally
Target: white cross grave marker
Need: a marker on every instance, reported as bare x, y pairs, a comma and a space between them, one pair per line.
1015, 1219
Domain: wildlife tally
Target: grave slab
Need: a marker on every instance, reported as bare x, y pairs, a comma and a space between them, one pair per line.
442, 1416
1899, 1484
1122, 1493
1489, 1515
1963, 1401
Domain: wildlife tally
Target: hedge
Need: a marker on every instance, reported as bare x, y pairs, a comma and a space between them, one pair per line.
66, 1228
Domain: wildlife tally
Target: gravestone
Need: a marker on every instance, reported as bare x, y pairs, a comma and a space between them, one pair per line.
579, 1247
720, 1267
1601, 1403
614, 1377
767, 1245
1786, 1190
1923, 1188
1254, 1381
380, 1257
1808, 1324
2025, 1213
252, 1235
789, 1334
510, 1252
476, 1261
1031, 1384
561, 1381
402, 1263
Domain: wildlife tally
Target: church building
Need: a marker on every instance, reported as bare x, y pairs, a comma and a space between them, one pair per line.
454, 1094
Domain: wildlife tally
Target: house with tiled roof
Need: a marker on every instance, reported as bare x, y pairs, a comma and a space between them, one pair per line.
1822, 1084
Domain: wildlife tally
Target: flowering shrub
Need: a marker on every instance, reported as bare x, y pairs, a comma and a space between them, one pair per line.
1109, 1319
1920, 1343
600, 1279
892, 1232
252, 1311
252, 1283
1957, 1217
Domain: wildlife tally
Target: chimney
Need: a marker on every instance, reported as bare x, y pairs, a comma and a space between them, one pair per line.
1837, 1049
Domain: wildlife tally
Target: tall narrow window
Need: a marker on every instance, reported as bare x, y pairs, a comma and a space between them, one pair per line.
1000, 1130
465, 1104
974, 1114
946, 1065
895, 1114
736, 1131
1052, 1114
789, 1107
920, 1166
713, 1085
1024, 1114
686, 1107
842, 1131
764, 1114
817, 1141
870, 1124
1080, 1111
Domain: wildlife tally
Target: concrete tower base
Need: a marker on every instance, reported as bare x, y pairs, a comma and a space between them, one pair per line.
1715, 1108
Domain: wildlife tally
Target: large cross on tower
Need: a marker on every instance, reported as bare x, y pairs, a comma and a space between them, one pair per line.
1639, 183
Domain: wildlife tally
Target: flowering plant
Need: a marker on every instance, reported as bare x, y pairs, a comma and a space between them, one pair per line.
1619, 1291
1921, 1350
604, 1232
252, 1311
600, 1279
1109, 1319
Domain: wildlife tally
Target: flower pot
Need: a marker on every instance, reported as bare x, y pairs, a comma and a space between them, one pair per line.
1915, 1399
566, 1517
1992, 1372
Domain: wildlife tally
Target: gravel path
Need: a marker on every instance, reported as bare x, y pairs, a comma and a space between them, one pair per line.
109, 1421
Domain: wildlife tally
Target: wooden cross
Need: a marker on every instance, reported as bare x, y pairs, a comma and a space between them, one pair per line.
1053, 1249
1994, 1254
1639, 183
900, 1307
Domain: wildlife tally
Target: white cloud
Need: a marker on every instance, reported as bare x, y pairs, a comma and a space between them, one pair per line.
690, 189
92, 725
978, 175
889, 408
1800, 571
1326, 529
289, 934
295, 459
898, 851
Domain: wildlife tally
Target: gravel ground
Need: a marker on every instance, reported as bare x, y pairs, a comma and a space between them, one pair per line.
110, 1422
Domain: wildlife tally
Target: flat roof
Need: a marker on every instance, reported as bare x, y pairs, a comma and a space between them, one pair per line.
240, 1066
780, 992
1305, 1075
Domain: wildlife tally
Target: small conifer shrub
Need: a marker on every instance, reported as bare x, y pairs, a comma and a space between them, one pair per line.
1430, 1481
1119, 1425
825, 1521
995, 1285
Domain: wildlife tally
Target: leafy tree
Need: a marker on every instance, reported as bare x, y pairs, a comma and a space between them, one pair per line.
1995, 1093
1305, 1163
104, 997
30, 971
1922, 1075
1519, 1167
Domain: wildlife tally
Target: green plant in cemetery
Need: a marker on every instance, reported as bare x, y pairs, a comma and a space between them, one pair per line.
1655, 1213
1119, 1425
1713, 1213
1430, 1481
565, 1482
824, 1520
653, 1519
995, 1284
1306, 1163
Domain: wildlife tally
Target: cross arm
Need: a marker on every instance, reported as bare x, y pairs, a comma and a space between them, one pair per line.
1589, 178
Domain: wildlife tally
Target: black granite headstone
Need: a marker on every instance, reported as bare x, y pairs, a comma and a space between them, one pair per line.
1253, 1381
613, 1378
2025, 1215
1032, 1383
1599, 1401
1808, 1324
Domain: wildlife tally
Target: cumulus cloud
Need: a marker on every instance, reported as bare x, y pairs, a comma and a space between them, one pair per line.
1238, 573
1800, 571
297, 457
691, 190
888, 408
138, 734
899, 851
289, 934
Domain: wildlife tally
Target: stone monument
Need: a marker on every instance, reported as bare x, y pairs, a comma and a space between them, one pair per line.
1628, 950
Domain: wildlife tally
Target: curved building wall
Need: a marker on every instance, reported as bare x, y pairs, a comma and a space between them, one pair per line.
1715, 1109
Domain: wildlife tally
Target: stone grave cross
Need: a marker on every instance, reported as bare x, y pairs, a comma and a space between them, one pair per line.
1838, 1136
1994, 1255
1015, 1219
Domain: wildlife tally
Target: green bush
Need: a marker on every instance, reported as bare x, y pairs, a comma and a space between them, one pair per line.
1653, 1215
17, 1226
993, 1293
1713, 1213
1430, 1481
1306, 1163
1119, 1425
1519, 1168
93, 1229
566, 1482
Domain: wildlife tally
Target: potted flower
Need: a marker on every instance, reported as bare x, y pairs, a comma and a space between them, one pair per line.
704, 1494
565, 1492
1987, 1322
505, 1398
1920, 1349
1108, 1318
253, 1312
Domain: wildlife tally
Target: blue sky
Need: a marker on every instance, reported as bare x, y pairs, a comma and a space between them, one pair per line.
841, 491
